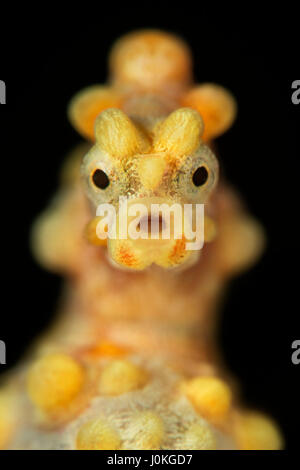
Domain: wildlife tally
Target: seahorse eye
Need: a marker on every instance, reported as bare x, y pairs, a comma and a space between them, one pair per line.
200, 176
100, 179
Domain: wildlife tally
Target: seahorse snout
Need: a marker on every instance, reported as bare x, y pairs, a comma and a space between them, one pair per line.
150, 231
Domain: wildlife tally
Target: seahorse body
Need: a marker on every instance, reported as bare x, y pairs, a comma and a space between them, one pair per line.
131, 363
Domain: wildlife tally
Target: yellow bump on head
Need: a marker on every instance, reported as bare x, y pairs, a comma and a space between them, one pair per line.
151, 169
150, 60
121, 376
88, 104
7, 418
180, 133
117, 135
145, 431
215, 104
255, 431
97, 434
198, 437
54, 381
90, 233
210, 396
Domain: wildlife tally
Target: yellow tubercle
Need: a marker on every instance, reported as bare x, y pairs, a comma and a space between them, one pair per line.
117, 135
121, 376
97, 434
146, 431
215, 104
151, 169
88, 104
180, 133
91, 235
255, 431
54, 381
198, 437
150, 60
210, 396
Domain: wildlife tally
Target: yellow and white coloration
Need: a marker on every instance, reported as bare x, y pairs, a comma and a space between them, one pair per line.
131, 364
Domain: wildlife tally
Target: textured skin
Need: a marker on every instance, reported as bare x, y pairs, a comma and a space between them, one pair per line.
131, 363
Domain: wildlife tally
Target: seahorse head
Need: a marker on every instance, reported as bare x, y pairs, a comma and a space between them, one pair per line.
140, 177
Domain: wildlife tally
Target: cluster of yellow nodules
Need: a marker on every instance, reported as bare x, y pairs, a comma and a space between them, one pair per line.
146, 430
56, 380
212, 398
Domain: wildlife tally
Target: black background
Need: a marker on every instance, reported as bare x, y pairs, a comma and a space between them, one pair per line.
48, 55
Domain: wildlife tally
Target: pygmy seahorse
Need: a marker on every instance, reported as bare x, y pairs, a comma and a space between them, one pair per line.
131, 361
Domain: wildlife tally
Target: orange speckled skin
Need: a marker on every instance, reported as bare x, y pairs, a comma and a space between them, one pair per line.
131, 362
